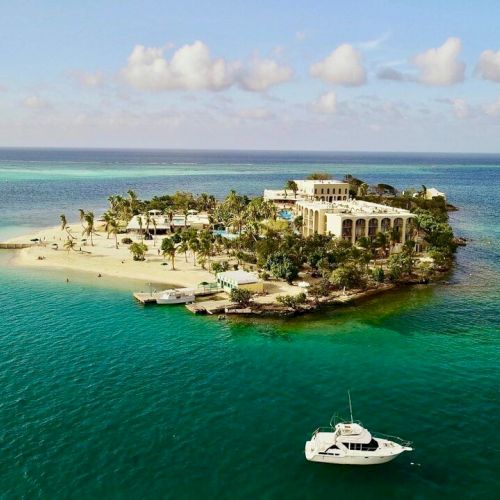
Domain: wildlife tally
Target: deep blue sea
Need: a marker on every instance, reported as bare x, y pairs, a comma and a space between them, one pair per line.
103, 398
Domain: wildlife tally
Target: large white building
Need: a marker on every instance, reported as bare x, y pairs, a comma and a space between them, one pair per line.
328, 190
353, 219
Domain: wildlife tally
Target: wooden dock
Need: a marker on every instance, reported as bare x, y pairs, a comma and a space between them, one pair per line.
150, 297
146, 298
209, 306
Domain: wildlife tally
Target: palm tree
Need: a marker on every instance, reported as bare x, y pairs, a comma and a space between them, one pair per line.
89, 229
380, 243
113, 229
168, 248
205, 249
147, 219
237, 221
82, 215
69, 244
153, 221
64, 222
184, 247
107, 222
394, 236
363, 189
132, 199
185, 212
298, 222
292, 186
194, 246
139, 221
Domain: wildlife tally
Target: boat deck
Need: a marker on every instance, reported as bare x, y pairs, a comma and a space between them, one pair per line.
150, 298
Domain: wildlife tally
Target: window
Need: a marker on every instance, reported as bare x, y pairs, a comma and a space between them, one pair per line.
347, 229
328, 191
322, 190
360, 228
398, 226
371, 446
372, 228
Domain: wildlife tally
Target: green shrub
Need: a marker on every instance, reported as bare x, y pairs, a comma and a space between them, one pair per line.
127, 241
241, 296
348, 275
282, 266
378, 274
292, 301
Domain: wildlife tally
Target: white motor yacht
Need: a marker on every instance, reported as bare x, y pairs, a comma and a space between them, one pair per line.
351, 444
175, 296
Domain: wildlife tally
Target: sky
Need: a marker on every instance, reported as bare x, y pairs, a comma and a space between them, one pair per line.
285, 75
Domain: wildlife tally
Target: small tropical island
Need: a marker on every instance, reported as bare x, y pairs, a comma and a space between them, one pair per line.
314, 242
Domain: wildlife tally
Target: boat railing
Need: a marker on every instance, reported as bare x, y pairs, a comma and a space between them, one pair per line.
396, 439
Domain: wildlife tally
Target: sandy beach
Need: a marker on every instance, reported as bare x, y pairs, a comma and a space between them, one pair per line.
104, 259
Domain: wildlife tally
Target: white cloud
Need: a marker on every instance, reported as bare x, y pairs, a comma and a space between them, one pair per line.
264, 73
460, 108
374, 44
440, 66
488, 65
34, 102
342, 67
89, 79
326, 103
493, 109
190, 68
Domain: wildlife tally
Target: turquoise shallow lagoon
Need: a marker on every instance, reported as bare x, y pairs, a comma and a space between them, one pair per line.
104, 398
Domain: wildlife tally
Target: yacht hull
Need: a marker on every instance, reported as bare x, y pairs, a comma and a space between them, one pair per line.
327, 459
180, 300
341, 458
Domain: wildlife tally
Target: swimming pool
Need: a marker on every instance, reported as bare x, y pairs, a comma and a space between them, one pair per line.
225, 234
286, 215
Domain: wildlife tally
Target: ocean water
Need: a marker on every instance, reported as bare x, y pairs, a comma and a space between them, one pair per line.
105, 398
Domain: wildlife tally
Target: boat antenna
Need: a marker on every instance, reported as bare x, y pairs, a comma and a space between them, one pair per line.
350, 405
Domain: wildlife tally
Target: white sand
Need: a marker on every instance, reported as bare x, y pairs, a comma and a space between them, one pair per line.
103, 258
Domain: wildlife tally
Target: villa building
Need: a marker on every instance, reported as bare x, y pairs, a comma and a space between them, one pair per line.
323, 190
353, 219
431, 193
164, 224
230, 280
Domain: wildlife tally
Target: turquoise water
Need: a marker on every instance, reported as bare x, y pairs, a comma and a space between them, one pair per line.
105, 398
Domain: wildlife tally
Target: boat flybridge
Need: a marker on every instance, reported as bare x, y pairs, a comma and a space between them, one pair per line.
351, 444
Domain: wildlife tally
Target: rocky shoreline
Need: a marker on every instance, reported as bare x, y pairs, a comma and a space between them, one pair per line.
342, 299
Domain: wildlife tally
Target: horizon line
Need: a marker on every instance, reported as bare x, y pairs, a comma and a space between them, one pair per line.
235, 150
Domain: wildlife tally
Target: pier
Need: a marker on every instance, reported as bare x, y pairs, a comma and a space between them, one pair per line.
150, 297
209, 306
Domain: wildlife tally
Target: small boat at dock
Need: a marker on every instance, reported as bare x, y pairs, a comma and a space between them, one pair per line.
175, 296
350, 443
